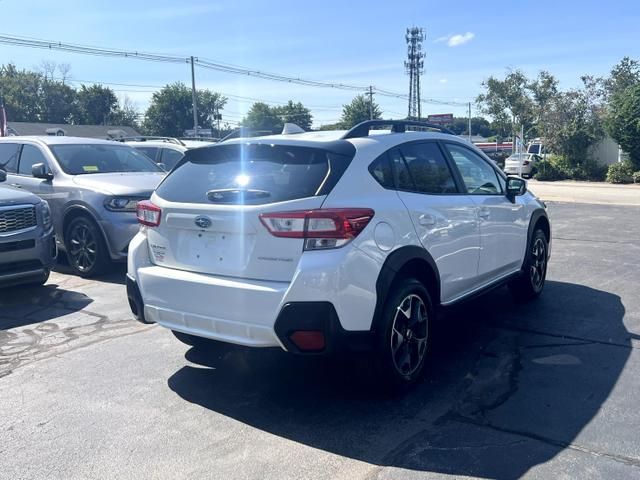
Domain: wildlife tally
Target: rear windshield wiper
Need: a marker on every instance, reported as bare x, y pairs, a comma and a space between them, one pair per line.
232, 195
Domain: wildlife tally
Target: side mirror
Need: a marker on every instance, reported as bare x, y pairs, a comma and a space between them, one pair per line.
516, 186
39, 170
3, 176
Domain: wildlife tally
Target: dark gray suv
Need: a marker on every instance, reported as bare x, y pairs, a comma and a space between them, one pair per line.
27, 243
92, 186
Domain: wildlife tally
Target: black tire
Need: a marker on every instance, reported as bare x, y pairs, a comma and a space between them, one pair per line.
40, 281
86, 248
534, 272
403, 342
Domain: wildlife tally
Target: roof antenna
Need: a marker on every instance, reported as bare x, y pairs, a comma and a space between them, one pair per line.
291, 128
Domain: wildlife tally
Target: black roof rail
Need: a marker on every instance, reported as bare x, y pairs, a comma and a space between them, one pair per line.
144, 138
397, 126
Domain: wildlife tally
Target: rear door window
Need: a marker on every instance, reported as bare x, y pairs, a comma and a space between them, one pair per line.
253, 174
428, 168
29, 157
9, 157
170, 157
151, 152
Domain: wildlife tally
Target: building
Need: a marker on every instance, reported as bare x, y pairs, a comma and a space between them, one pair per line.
60, 129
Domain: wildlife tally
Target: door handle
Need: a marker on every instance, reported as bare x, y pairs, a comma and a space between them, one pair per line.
484, 213
426, 220
17, 185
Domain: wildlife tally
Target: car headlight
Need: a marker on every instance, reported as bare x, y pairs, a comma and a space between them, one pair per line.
122, 204
46, 215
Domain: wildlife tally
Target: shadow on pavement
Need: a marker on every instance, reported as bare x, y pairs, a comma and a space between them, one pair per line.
116, 272
25, 305
507, 388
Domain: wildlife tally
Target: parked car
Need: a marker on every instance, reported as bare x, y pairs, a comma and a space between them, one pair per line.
522, 164
27, 243
165, 151
92, 187
323, 241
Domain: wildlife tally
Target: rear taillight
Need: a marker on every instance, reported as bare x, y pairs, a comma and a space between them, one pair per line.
148, 214
321, 229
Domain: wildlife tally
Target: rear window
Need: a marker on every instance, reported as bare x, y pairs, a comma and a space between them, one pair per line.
253, 174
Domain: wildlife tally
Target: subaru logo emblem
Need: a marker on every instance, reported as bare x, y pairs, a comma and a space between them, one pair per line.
203, 222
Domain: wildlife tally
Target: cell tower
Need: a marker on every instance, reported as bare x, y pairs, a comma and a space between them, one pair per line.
414, 67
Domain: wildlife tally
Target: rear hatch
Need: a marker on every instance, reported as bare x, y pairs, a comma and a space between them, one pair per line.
514, 161
212, 201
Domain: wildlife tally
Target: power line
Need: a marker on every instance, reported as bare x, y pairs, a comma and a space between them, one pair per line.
202, 63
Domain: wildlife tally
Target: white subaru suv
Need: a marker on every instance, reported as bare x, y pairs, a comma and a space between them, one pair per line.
322, 242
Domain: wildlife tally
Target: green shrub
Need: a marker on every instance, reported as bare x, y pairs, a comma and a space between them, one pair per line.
636, 177
549, 172
620, 173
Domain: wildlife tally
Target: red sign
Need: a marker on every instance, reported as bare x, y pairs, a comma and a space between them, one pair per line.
441, 118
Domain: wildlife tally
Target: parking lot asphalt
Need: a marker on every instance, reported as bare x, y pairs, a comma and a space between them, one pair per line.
543, 390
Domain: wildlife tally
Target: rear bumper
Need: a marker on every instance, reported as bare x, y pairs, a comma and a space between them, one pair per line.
233, 311
333, 292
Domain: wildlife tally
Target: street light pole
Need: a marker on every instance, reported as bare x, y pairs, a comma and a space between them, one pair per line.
194, 99
469, 122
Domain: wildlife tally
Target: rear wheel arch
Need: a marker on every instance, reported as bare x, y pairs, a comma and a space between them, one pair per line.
405, 262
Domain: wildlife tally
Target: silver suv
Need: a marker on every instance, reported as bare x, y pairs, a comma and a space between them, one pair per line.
92, 187
165, 151
27, 244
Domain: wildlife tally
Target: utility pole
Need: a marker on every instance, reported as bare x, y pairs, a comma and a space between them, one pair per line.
469, 122
414, 66
194, 99
370, 93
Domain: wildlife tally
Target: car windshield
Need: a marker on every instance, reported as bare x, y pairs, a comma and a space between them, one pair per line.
83, 159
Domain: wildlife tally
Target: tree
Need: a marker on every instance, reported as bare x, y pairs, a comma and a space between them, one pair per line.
358, 111
508, 102
95, 105
171, 110
263, 117
479, 126
20, 90
623, 122
574, 125
295, 113
126, 114
57, 102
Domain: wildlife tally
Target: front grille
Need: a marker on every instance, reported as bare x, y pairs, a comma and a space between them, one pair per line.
15, 219
13, 246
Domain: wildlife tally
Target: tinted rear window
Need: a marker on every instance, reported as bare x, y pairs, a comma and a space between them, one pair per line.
9, 157
253, 174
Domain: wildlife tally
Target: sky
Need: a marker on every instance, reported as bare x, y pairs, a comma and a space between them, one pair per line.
356, 42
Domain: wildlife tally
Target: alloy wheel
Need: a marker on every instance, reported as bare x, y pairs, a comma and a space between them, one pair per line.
83, 247
409, 335
538, 264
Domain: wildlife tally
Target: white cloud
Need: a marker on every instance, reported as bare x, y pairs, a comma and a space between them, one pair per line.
443, 80
460, 39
